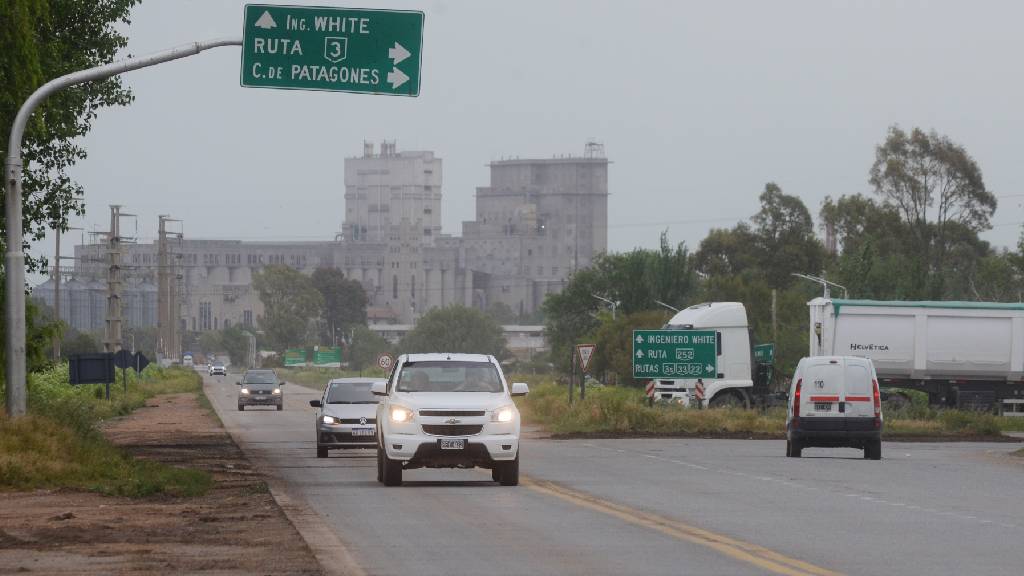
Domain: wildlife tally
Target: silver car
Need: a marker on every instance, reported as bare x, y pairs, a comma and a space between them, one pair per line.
347, 415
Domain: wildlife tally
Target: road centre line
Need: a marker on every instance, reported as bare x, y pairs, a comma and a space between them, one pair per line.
753, 554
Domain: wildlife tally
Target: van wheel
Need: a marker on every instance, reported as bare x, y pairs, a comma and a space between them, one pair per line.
793, 448
508, 472
391, 470
873, 450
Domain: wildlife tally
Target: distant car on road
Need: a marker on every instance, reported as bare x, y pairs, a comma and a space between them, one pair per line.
834, 401
260, 388
347, 415
448, 411
218, 370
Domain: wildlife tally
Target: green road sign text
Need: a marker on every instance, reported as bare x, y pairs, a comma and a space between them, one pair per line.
335, 49
675, 354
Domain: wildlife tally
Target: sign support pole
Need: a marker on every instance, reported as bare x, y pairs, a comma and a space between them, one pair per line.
14, 259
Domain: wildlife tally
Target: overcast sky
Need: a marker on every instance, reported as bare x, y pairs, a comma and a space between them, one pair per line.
698, 105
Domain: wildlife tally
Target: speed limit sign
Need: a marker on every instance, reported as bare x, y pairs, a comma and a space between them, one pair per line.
384, 361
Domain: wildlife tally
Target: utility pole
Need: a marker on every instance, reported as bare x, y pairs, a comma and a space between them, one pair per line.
775, 323
112, 336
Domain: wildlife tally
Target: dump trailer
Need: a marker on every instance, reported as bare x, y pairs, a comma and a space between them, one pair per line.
963, 354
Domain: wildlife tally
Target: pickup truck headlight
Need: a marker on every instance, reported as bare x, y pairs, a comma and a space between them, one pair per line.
277, 391
330, 420
401, 414
244, 390
504, 414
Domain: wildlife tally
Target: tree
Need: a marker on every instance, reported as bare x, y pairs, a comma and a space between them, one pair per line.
366, 346
235, 342
456, 329
289, 301
785, 237
41, 40
344, 302
614, 353
938, 190
501, 313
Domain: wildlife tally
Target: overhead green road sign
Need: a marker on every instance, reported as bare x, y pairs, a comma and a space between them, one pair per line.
327, 356
765, 353
675, 354
336, 49
295, 357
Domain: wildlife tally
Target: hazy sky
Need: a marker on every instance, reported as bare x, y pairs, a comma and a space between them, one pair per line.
698, 105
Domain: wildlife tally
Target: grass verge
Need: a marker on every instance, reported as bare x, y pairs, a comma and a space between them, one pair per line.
624, 411
59, 445
317, 378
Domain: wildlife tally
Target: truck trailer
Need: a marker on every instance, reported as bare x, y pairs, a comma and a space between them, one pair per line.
967, 355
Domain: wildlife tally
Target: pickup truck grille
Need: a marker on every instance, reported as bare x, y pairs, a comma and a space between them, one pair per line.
449, 413
452, 429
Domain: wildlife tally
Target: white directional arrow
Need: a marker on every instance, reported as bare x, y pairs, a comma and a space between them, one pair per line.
709, 368
396, 77
398, 53
266, 21
639, 339
639, 353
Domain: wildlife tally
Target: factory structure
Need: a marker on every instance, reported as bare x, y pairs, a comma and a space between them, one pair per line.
536, 222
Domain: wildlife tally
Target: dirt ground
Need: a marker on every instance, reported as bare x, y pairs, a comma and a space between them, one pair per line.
236, 528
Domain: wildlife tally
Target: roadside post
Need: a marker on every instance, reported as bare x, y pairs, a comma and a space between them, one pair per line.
649, 391
698, 391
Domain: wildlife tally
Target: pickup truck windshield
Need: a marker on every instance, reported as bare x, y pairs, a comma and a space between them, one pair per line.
449, 376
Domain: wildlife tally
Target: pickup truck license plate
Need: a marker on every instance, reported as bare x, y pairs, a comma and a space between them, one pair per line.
453, 443
364, 431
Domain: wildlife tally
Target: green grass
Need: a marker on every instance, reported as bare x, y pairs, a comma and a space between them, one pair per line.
59, 445
615, 410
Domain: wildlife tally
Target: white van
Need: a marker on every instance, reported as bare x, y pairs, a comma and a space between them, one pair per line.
834, 401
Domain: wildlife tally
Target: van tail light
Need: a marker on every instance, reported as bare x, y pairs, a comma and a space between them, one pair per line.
796, 404
878, 404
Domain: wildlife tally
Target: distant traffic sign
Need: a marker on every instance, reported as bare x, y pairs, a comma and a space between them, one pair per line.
675, 354
585, 352
335, 49
765, 353
384, 361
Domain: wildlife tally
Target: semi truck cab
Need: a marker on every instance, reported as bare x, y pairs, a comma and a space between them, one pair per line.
734, 381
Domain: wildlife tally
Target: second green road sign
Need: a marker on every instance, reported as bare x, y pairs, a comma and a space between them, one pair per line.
675, 354
337, 49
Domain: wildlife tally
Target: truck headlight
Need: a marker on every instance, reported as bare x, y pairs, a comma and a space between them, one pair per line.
401, 414
330, 420
244, 390
504, 414
277, 391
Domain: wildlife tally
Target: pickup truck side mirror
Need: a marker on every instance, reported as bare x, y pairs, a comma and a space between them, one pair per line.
520, 389
281, 383
379, 389
315, 404
239, 383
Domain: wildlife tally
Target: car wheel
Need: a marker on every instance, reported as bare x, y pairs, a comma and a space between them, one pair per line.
496, 473
793, 448
280, 407
391, 470
873, 450
380, 465
509, 472
321, 452
241, 408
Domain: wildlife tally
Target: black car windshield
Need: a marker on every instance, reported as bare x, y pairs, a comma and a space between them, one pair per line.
449, 376
350, 393
261, 377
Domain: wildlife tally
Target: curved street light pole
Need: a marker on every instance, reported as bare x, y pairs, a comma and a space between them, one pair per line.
14, 259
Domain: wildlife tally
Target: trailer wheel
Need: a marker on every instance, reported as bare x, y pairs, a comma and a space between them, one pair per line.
793, 448
873, 450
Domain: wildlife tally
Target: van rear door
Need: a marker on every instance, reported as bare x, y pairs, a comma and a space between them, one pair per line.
859, 398
822, 388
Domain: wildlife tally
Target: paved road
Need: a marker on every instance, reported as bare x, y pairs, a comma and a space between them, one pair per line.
657, 506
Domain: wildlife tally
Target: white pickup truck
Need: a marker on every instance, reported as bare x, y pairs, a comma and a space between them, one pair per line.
447, 411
